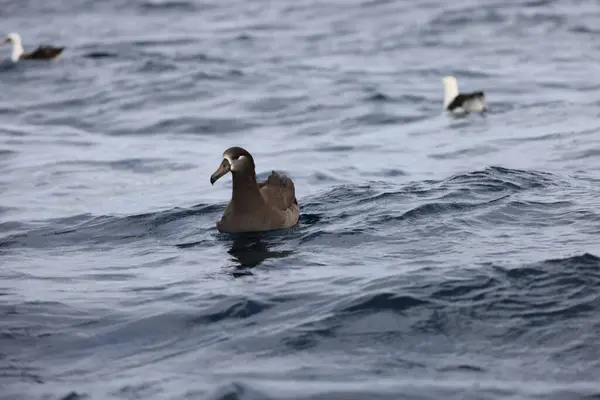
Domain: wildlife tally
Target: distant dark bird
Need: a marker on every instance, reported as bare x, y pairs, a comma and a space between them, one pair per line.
461, 103
41, 53
255, 206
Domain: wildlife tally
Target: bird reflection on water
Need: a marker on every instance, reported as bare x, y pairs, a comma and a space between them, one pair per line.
251, 250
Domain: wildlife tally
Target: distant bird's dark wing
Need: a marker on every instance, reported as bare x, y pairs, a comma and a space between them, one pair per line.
475, 95
43, 53
460, 100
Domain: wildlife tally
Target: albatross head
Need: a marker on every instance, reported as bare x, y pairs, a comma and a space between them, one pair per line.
14, 38
235, 160
17, 49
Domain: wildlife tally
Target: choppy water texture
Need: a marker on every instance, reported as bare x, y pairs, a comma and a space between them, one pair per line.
436, 258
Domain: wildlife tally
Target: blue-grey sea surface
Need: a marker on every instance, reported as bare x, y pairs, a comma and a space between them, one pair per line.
435, 258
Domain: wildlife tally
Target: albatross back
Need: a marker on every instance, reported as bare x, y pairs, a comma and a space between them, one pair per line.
43, 53
472, 102
279, 193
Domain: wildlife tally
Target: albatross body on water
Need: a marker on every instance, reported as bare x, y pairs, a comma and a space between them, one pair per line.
461, 103
255, 206
41, 53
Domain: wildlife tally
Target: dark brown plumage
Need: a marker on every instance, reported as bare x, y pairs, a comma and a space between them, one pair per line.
255, 206
463, 99
43, 53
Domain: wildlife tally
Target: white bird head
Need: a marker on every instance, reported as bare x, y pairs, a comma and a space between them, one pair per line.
17, 45
13, 38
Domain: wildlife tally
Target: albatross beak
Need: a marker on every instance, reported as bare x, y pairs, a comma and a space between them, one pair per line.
6, 41
224, 168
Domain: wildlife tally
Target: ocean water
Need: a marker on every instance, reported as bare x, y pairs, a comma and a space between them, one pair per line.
436, 258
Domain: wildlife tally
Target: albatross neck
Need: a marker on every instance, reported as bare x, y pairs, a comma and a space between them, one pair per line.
17, 51
245, 187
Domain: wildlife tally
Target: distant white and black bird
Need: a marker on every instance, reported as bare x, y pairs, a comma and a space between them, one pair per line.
461, 103
41, 53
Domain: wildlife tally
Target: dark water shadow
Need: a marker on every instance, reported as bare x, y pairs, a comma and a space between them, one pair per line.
251, 250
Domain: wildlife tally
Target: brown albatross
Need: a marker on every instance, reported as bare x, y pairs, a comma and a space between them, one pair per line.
255, 206
41, 53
